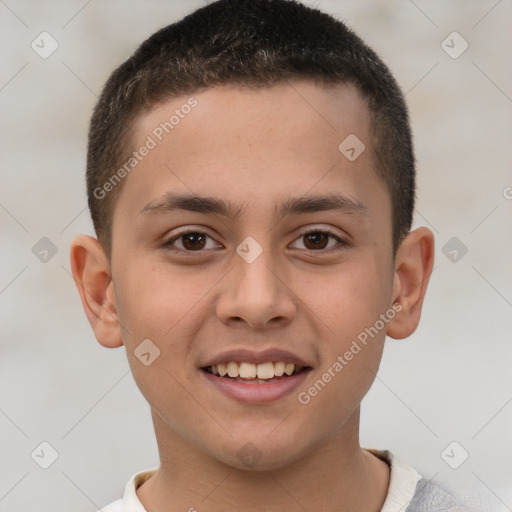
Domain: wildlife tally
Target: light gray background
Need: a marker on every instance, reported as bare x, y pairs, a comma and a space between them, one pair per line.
449, 382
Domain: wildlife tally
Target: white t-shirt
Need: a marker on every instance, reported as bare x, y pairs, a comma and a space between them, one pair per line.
404, 493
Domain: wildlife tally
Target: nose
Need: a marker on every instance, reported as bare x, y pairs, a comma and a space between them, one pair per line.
256, 294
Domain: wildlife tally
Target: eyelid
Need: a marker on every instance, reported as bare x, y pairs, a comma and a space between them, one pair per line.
341, 240
168, 243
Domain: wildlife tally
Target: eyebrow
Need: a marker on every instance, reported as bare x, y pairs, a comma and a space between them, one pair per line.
291, 206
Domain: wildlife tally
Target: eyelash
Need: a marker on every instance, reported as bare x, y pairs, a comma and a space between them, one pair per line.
168, 245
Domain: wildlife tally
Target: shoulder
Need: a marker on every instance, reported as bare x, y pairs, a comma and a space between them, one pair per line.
431, 496
409, 491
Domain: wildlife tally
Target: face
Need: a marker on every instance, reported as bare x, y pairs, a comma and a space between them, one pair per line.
247, 241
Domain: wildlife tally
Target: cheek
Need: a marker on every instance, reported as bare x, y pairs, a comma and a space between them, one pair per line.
157, 302
347, 305
348, 299
162, 307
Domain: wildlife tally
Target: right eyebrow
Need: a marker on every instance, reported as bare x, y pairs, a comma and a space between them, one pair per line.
192, 203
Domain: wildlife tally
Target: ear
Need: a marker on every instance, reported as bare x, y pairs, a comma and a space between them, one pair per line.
91, 272
413, 265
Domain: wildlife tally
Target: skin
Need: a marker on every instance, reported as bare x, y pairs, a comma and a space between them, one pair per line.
256, 148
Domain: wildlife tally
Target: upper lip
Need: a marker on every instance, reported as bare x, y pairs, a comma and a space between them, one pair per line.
244, 355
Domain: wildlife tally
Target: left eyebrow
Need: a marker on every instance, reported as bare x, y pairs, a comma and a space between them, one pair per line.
291, 206
311, 204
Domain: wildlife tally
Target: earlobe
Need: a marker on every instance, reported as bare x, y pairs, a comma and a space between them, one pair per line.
413, 265
91, 272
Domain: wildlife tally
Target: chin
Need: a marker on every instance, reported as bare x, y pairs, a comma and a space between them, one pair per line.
262, 454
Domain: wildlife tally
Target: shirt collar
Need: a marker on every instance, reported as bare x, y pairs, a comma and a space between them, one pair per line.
402, 485
402, 482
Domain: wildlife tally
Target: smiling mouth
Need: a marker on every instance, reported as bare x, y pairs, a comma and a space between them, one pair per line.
251, 373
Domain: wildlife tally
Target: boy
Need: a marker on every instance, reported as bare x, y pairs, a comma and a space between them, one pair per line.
251, 181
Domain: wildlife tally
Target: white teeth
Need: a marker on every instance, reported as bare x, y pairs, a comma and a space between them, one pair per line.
279, 369
247, 371
265, 371
262, 371
232, 369
288, 369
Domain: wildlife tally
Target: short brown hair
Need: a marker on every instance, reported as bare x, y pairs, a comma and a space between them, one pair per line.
253, 43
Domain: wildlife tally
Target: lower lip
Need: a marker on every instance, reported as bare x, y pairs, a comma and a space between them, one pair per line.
257, 393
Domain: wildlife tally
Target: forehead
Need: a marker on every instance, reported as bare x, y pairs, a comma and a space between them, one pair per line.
310, 108
254, 145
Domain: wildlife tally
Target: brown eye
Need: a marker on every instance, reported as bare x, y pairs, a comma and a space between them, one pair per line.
319, 241
193, 241
316, 240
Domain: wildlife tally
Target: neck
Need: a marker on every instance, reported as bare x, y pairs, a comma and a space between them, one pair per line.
336, 476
